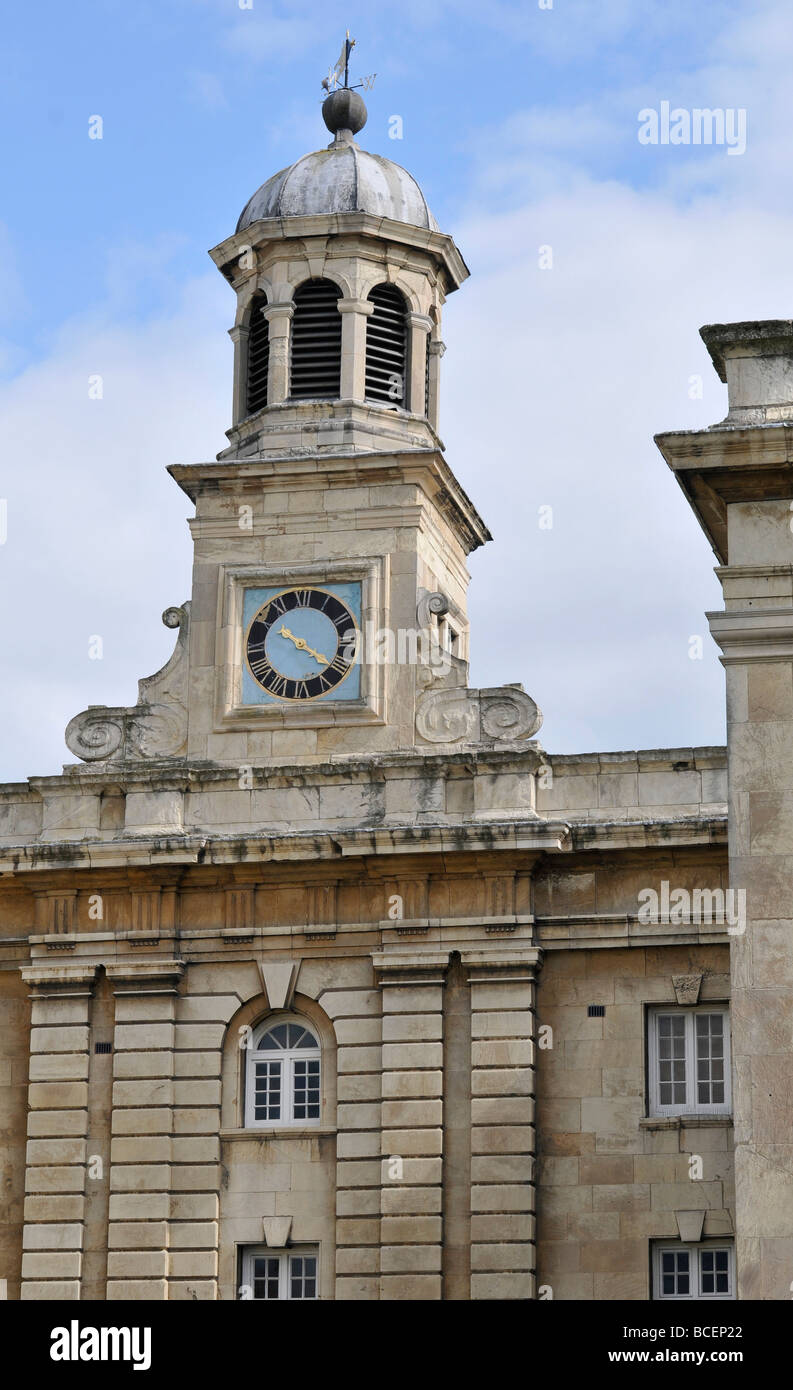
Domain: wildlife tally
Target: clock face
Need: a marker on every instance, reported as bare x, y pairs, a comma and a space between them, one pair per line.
301, 644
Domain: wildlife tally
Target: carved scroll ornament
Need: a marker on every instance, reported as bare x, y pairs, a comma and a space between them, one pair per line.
460, 715
154, 728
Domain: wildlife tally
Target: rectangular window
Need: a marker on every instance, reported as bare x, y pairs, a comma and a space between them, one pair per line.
689, 1061
699, 1271
278, 1274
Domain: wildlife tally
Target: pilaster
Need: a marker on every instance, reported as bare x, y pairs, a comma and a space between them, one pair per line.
357, 1022
145, 1092
56, 1171
420, 327
412, 1124
279, 317
436, 350
355, 313
503, 1019
239, 335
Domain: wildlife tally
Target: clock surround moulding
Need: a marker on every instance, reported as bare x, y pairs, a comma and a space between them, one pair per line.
230, 711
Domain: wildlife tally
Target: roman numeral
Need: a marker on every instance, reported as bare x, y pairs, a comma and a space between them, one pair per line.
278, 685
279, 605
261, 669
301, 690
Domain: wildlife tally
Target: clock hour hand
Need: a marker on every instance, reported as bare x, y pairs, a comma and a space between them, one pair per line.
302, 645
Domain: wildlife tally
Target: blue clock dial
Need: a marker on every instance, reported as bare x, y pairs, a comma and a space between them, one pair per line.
301, 644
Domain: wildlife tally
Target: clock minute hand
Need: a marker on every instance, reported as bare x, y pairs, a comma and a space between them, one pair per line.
302, 645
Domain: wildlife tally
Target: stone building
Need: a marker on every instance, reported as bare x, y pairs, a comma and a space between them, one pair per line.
319, 976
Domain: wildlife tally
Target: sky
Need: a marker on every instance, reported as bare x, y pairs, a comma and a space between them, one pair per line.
594, 257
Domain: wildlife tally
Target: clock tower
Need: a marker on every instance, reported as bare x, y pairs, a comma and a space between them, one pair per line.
328, 615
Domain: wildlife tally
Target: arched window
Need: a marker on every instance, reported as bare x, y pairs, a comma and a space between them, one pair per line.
282, 1084
316, 341
386, 343
258, 355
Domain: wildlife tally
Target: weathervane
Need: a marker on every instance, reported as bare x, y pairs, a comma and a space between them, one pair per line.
333, 81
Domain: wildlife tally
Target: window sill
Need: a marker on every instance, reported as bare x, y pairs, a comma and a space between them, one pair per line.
685, 1121
282, 1132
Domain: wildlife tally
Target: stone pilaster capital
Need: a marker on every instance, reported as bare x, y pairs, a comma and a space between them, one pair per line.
145, 976
410, 967
280, 312
57, 981
507, 965
355, 306
437, 347
421, 321
239, 333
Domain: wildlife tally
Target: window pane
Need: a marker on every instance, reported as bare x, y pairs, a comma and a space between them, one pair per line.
715, 1272
675, 1275
306, 1089
302, 1276
276, 1037
709, 1044
267, 1091
265, 1276
671, 1036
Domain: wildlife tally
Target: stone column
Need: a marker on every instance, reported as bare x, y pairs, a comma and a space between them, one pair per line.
502, 986
412, 1124
437, 349
239, 336
141, 1149
57, 1128
420, 328
738, 476
279, 317
354, 313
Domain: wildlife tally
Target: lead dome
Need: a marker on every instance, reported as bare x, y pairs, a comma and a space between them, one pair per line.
341, 178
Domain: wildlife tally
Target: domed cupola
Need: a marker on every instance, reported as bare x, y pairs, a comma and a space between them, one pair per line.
341, 273
342, 178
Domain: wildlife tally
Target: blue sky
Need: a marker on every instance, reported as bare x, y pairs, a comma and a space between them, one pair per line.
521, 125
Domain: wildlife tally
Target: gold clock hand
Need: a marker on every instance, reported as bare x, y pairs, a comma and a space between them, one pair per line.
302, 645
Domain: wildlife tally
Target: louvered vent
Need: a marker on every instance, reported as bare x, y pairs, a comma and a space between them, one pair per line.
258, 355
427, 377
316, 341
385, 346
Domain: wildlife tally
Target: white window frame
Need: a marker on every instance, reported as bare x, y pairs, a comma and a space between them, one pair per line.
695, 1270
284, 1257
287, 1058
691, 1106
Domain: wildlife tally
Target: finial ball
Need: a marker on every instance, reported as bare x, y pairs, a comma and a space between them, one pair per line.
344, 110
